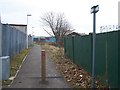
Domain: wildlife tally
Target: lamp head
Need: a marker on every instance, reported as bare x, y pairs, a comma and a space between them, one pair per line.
95, 9
29, 15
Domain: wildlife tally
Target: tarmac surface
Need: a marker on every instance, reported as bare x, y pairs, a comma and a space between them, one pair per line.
29, 76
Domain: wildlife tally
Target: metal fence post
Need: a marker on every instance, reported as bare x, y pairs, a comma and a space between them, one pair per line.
0, 53
119, 42
93, 61
73, 48
94, 10
0, 38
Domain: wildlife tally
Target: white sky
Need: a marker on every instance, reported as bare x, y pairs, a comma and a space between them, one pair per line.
76, 11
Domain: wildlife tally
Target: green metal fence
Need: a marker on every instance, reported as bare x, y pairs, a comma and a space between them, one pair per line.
119, 56
79, 50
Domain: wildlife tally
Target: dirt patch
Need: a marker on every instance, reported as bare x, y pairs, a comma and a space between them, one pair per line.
75, 75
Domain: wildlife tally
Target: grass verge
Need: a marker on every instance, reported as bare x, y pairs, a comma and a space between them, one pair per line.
14, 65
75, 75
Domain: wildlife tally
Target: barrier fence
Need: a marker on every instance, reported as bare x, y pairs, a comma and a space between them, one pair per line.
79, 50
13, 41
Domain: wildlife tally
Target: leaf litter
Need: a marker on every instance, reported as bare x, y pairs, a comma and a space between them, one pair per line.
75, 75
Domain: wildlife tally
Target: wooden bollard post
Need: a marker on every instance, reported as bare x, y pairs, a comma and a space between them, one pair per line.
43, 65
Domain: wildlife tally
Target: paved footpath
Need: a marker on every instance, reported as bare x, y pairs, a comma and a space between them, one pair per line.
29, 75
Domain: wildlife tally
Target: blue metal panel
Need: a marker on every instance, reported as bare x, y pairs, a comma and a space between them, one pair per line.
50, 39
5, 40
13, 41
5, 67
16, 40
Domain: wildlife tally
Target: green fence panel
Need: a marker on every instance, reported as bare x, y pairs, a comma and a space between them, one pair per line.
107, 59
100, 56
82, 51
77, 50
69, 47
112, 38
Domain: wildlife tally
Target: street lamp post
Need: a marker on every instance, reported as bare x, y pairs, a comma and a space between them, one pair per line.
0, 37
27, 30
32, 31
94, 10
32, 34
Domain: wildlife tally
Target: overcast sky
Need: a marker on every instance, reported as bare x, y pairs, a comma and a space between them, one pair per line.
76, 11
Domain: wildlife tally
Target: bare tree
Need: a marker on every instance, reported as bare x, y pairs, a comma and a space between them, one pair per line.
57, 23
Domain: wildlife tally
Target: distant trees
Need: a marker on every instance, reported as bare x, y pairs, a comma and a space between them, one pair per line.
57, 23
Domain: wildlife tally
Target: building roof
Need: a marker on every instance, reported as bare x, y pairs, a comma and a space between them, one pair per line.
16, 24
76, 34
20, 27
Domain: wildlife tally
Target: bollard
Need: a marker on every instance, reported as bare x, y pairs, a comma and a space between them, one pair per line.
43, 65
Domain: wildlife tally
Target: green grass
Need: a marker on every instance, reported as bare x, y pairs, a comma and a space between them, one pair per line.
14, 65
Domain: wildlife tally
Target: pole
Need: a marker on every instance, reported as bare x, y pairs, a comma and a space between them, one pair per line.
0, 53
26, 33
43, 65
0, 37
93, 61
32, 34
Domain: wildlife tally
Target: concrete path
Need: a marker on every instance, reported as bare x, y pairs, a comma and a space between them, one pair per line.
29, 75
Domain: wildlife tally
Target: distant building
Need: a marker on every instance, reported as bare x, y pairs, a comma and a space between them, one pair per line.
50, 39
20, 27
44, 39
35, 39
76, 34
